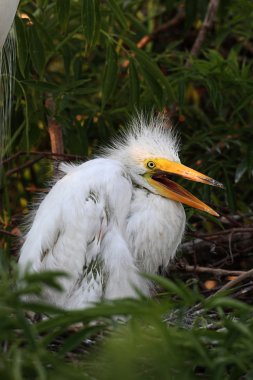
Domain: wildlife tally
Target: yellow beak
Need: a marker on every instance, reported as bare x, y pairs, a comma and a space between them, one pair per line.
160, 179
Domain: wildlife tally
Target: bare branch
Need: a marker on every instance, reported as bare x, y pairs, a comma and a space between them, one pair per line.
50, 155
8, 233
42, 153
225, 232
207, 24
236, 281
54, 128
22, 167
199, 269
167, 25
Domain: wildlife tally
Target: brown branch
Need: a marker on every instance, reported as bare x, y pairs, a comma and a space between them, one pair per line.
41, 155
240, 238
54, 128
247, 45
34, 189
207, 24
11, 158
236, 281
243, 291
214, 271
55, 134
230, 219
144, 41
173, 22
167, 25
163, 27
22, 167
8, 233
197, 309
226, 232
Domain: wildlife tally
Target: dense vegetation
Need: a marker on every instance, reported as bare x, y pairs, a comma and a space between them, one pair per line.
83, 68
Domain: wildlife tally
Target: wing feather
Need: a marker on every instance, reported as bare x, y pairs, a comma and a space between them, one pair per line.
71, 221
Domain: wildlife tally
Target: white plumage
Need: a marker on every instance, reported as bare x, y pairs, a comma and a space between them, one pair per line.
8, 9
104, 221
7, 70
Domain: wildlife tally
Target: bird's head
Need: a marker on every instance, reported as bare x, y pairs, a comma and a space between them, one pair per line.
149, 152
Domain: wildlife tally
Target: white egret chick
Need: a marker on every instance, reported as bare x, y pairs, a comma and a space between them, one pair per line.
109, 219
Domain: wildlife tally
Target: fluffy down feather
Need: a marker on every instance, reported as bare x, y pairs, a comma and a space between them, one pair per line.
103, 224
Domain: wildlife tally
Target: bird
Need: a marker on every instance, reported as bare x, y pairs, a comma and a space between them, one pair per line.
108, 220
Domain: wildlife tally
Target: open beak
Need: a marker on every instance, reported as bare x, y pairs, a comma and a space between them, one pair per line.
160, 179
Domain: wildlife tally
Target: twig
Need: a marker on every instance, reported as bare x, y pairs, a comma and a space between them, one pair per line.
243, 291
54, 128
199, 269
207, 24
197, 309
161, 28
22, 167
55, 134
247, 45
11, 158
147, 38
3, 232
232, 221
225, 232
41, 155
173, 22
44, 154
240, 240
235, 282
33, 189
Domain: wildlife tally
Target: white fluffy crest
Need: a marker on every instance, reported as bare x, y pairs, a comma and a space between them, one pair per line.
145, 136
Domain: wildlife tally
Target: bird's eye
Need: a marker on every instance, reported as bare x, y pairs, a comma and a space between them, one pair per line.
151, 165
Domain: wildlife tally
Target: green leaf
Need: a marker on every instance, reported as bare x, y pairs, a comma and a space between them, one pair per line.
110, 74
154, 87
63, 7
178, 288
116, 9
134, 85
240, 170
22, 48
74, 340
41, 85
75, 84
37, 52
91, 21
42, 3
212, 218
27, 328
230, 193
219, 300
151, 70
250, 159
191, 8
137, 25
181, 92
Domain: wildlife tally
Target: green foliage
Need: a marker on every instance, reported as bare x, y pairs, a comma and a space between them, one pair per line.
84, 54
142, 339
